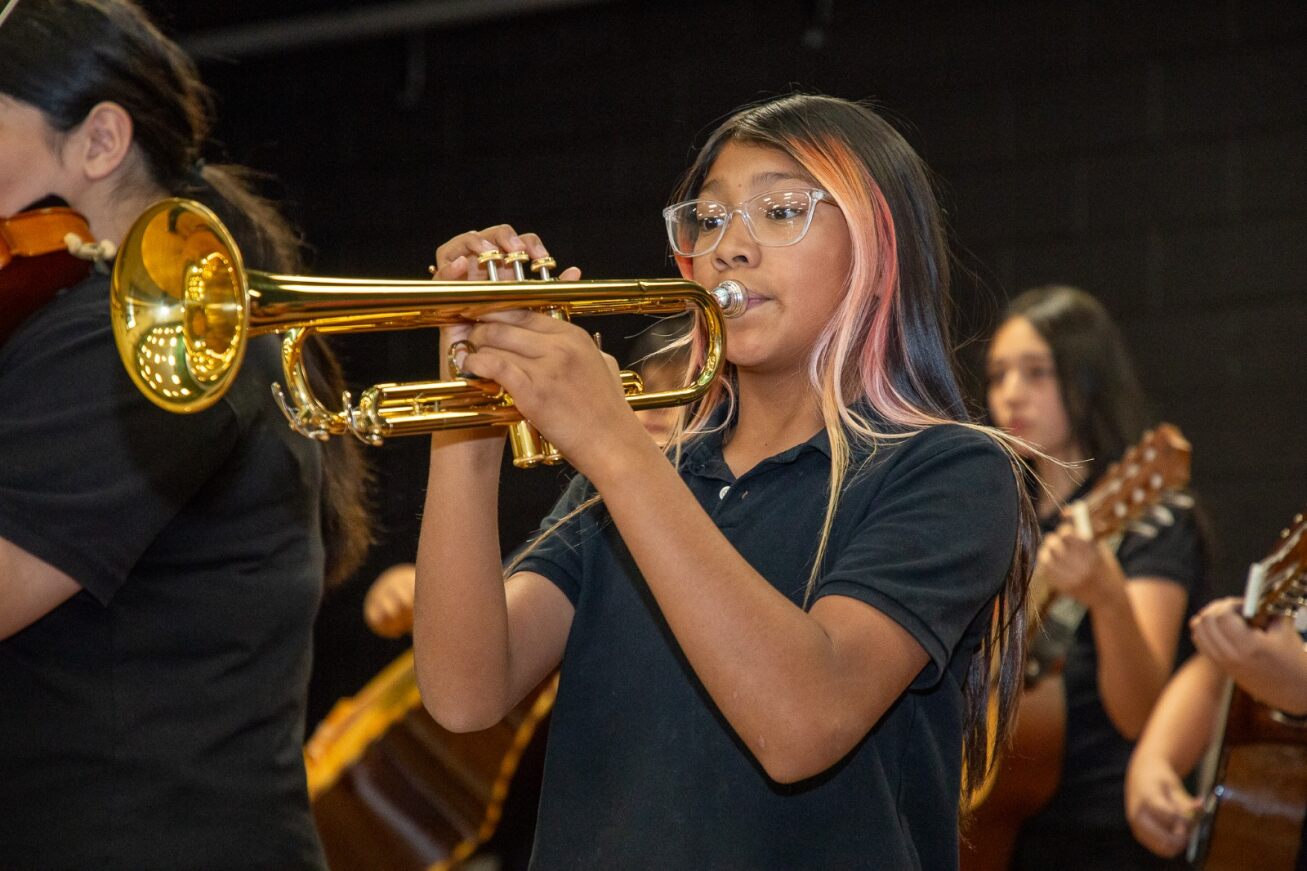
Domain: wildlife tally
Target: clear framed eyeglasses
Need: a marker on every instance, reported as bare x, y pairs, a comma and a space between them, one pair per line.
775, 219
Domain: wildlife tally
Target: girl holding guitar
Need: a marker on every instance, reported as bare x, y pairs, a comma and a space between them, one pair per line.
1059, 376
775, 637
159, 573
1269, 663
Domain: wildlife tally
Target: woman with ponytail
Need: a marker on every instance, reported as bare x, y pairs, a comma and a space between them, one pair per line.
779, 636
159, 574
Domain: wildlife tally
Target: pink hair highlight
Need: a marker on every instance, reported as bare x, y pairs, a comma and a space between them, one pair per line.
852, 354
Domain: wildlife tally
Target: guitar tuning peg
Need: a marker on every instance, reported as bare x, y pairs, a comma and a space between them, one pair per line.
1144, 530
1163, 515
1180, 500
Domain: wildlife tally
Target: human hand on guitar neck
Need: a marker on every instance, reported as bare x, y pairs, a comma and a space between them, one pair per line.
1081, 568
1270, 663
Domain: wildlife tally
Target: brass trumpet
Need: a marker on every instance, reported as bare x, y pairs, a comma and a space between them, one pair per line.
183, 307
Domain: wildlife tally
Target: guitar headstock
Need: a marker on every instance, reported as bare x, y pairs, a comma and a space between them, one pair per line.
1277, 584
1136, 489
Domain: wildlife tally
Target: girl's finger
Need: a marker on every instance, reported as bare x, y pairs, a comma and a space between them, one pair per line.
507, 336
500, 367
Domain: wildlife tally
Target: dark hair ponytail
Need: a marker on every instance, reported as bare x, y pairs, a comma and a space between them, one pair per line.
66, 56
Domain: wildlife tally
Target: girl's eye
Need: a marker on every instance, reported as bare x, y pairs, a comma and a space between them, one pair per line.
1038, 373
708, 223
783, 212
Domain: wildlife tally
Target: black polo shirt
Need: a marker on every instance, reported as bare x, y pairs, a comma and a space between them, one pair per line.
156, 718
1088, 809
643, 771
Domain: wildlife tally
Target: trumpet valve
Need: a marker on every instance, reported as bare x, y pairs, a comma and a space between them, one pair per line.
490, 261
516, 259
543, 267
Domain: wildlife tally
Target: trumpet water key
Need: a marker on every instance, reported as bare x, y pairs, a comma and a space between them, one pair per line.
183, 308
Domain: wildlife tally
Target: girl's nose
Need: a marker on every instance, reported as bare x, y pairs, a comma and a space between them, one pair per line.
737, 247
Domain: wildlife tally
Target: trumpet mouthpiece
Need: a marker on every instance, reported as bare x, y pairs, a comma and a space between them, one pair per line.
731, 298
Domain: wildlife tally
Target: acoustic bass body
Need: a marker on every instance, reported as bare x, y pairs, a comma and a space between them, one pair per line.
392, 789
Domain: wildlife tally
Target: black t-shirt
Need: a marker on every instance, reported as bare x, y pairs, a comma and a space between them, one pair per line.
643, 771
1090, 801
155, 719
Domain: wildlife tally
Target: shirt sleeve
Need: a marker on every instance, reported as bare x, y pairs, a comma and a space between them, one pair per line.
555, 551
936, 543
92, 472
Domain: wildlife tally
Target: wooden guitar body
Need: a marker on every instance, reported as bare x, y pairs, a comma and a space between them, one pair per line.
1259, 808
393, 789
1024, 783
1256, 803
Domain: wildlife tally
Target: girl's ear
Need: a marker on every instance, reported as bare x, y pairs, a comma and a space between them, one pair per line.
683, 264
102, 141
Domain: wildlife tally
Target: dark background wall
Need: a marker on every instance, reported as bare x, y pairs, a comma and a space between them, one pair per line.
1154, 153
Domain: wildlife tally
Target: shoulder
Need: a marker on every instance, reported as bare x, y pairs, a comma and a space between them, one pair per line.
954, 450
77, 315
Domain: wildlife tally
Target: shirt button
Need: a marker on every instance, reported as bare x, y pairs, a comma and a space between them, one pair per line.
722, 493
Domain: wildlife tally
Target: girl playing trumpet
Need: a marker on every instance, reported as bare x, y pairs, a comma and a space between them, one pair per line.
776, 646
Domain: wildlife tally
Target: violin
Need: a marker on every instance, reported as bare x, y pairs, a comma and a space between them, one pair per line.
35, 261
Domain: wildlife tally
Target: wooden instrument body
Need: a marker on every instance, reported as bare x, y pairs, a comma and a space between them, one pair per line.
35, 263
1255, 802
1261, 800
393, 789
1025, 781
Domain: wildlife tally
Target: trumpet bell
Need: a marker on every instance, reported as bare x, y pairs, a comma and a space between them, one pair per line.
180, 306
184, 306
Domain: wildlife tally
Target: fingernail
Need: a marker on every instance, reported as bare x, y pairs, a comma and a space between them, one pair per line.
516, 243
459, 260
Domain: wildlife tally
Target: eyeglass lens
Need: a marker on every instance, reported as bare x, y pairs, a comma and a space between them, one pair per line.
774, 218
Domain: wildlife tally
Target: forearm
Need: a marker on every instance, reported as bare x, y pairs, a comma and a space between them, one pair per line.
1131, 674
1183, 720
771, 668
30, 588
460, 628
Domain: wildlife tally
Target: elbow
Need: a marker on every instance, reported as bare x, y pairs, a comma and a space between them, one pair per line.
455, 715
455, 710
460, 720
802, 755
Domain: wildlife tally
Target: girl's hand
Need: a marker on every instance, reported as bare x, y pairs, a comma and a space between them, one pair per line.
388, 605
560, 381
1161, 812
1271, 663
1084, 570
456, 260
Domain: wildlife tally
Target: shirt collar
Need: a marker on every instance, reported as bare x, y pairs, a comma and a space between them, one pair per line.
703, 454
